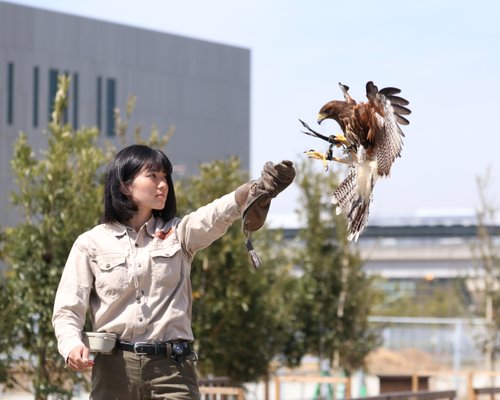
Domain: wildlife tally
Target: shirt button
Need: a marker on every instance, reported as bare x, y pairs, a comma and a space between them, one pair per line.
140, 319
136, 245
138, 265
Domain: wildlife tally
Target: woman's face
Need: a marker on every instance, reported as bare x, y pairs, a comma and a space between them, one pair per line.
149, 189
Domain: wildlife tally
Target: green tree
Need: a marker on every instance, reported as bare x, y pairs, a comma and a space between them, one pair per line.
424, 298
59, 194
238, 312
336, 295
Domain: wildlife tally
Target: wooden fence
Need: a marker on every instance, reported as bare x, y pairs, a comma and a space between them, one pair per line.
221, 392
477, 392
220, 388
473, 388
422, 395
278, 380
474, 392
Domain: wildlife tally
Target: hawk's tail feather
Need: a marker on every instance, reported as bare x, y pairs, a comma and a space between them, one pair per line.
351, 205
344, 195
358, 218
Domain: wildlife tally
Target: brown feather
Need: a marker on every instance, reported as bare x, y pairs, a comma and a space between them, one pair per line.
389, 91
402, 120
397, 100
400, 109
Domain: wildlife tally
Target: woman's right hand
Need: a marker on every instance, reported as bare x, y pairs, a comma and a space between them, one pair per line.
78, 359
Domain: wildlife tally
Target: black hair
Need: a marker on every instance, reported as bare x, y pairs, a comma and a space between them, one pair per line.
128, 162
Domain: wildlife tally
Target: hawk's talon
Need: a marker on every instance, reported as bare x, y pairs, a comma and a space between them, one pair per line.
317, 155
325, 157
342, 140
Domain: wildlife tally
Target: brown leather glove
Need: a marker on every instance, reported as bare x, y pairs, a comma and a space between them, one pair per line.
255, 199
274, 179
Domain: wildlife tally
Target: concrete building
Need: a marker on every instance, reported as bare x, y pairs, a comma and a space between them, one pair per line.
408, 253
425, 249
414, 255
202, 89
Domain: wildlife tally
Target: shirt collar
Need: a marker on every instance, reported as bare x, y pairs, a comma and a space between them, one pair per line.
151, 226
118, 229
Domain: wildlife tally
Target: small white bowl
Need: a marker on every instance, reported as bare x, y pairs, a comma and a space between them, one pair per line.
99, 342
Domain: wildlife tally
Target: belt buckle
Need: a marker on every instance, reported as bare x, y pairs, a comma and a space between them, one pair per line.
137, 346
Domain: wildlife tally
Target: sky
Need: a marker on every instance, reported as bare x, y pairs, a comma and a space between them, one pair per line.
443, 54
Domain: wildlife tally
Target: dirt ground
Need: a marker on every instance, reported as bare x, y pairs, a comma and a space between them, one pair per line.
385, 361
380, 362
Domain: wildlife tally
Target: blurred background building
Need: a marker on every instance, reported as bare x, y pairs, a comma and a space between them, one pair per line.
199, 88
419, 258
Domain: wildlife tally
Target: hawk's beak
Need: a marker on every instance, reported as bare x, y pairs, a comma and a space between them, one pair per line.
320, 118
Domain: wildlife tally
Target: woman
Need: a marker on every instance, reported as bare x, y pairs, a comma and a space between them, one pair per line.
132, 273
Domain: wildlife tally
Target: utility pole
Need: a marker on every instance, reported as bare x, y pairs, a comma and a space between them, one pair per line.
340, 308
489, 263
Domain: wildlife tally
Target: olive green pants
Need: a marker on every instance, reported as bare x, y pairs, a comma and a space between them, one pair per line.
128, 376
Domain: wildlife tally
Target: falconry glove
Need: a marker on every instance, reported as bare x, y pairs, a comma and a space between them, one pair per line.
273, 180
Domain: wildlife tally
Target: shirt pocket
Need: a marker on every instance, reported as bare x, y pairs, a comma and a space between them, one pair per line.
166, 266
111, 278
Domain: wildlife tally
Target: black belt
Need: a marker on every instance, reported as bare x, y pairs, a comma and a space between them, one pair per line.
174, 349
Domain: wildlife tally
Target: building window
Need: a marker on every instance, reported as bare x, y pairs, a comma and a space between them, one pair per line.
10, 93
75, 100
36, 91
66, 110
99, 103
110, 107
53, 73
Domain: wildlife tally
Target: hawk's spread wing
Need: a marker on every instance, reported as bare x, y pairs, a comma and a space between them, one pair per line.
388, 141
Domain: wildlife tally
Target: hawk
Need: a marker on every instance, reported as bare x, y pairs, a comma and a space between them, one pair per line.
372, 139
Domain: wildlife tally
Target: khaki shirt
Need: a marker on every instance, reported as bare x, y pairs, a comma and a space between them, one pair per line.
136, 284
